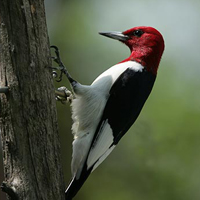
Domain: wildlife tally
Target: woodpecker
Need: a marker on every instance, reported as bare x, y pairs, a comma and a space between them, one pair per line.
105, 110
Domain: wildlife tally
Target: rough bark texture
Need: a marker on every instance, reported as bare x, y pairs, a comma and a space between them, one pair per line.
28, 118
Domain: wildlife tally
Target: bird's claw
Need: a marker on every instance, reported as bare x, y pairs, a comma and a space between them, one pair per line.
63, 95
57, 57
60, 67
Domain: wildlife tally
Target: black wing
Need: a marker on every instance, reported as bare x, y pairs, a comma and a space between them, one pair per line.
127, 97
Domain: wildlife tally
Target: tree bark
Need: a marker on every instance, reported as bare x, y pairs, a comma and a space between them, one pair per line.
28, 117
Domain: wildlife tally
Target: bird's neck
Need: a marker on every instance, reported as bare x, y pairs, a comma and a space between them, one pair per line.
147, 59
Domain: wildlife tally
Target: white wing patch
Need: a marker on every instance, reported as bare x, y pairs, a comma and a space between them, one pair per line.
101, 145
103, 157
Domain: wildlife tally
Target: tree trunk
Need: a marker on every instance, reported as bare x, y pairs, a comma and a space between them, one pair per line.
28, 118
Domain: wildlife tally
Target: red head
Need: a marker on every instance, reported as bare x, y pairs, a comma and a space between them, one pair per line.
146, 45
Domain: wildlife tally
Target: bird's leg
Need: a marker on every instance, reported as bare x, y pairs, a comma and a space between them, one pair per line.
62, 93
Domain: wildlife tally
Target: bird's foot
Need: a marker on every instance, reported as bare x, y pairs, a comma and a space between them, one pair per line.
60, 67
64, 95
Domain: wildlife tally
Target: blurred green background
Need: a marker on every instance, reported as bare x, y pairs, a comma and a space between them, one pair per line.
159, 158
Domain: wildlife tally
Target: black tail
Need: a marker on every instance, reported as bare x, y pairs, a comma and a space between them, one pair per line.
76, 184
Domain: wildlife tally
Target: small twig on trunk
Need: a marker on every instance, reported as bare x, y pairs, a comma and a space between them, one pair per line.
4, 89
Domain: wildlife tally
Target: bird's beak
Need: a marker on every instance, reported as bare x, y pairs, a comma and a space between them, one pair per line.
115, 35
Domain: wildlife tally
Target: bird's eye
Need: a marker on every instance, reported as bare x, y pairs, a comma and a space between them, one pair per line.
138, 33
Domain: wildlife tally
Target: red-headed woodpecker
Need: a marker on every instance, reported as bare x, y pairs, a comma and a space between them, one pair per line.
104, 111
